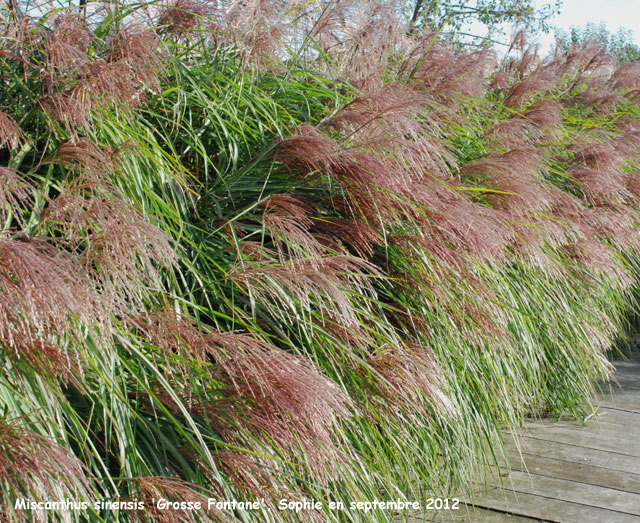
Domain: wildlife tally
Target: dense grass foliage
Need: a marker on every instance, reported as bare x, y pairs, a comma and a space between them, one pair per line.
291, 251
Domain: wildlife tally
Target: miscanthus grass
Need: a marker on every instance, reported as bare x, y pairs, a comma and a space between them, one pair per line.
273, 250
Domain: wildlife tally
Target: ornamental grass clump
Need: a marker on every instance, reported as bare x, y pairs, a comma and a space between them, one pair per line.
283, 250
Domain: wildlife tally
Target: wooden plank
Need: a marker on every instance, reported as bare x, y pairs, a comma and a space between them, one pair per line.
600, 425
572, 472
621, 384
604, 425
626, 368
578, 472
471, 514
623, 366
600, 412
573, 492
623, 381
576, 454
548, 509
625, 389
614, 389
583, 437
609, 414
626, 402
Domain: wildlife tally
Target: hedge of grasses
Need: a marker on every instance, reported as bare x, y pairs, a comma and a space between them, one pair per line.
290, 251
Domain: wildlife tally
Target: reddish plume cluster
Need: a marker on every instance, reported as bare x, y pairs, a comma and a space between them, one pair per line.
324, 279
152, 489
538, 125
45, 294
409, 374
10, 133
279, 398
38, 467
287, 220
120, 250
82, 75
16, 195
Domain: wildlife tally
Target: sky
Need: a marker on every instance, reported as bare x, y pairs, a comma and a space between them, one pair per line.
614, 13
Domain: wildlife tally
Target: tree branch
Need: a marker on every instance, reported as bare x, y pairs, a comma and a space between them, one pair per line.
416, 11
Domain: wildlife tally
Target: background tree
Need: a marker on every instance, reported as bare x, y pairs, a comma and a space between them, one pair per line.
619, 43
455, 16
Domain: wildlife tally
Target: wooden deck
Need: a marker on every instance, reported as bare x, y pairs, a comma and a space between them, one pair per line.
568, 472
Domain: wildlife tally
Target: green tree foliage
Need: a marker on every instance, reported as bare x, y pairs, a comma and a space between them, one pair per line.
454, 15
619, 43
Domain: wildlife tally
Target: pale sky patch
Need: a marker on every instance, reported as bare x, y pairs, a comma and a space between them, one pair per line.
614, 13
